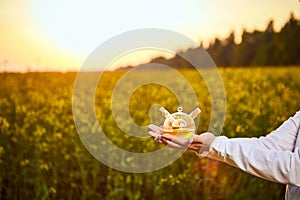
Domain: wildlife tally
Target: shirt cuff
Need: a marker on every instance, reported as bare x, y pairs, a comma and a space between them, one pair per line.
216, 149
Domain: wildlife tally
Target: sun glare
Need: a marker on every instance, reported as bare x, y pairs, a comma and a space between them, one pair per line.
57, 34
80, 26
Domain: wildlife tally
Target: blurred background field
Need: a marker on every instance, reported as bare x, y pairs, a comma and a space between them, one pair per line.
42, 157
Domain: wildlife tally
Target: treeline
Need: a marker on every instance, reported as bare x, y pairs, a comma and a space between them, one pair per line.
257, 48
260, 48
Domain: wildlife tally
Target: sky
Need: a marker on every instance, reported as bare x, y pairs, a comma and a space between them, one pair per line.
58, 35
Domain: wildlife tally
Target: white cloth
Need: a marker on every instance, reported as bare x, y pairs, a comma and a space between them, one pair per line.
275, 157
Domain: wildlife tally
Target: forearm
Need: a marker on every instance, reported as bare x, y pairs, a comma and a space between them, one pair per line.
281, 139
278, 166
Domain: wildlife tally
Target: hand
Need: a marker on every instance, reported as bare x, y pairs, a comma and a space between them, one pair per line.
194, 143
169, 140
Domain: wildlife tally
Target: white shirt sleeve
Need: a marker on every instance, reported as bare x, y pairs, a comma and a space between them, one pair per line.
274, 157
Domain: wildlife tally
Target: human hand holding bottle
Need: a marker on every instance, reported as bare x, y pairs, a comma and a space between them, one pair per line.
194, 143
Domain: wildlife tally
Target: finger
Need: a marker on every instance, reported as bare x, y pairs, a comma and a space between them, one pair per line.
156, 137
194, 147
161, 141
154, 134
155, 128
174, 145
177, 140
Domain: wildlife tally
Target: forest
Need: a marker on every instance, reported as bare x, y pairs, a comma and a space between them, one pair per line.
257, 48
260, 48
